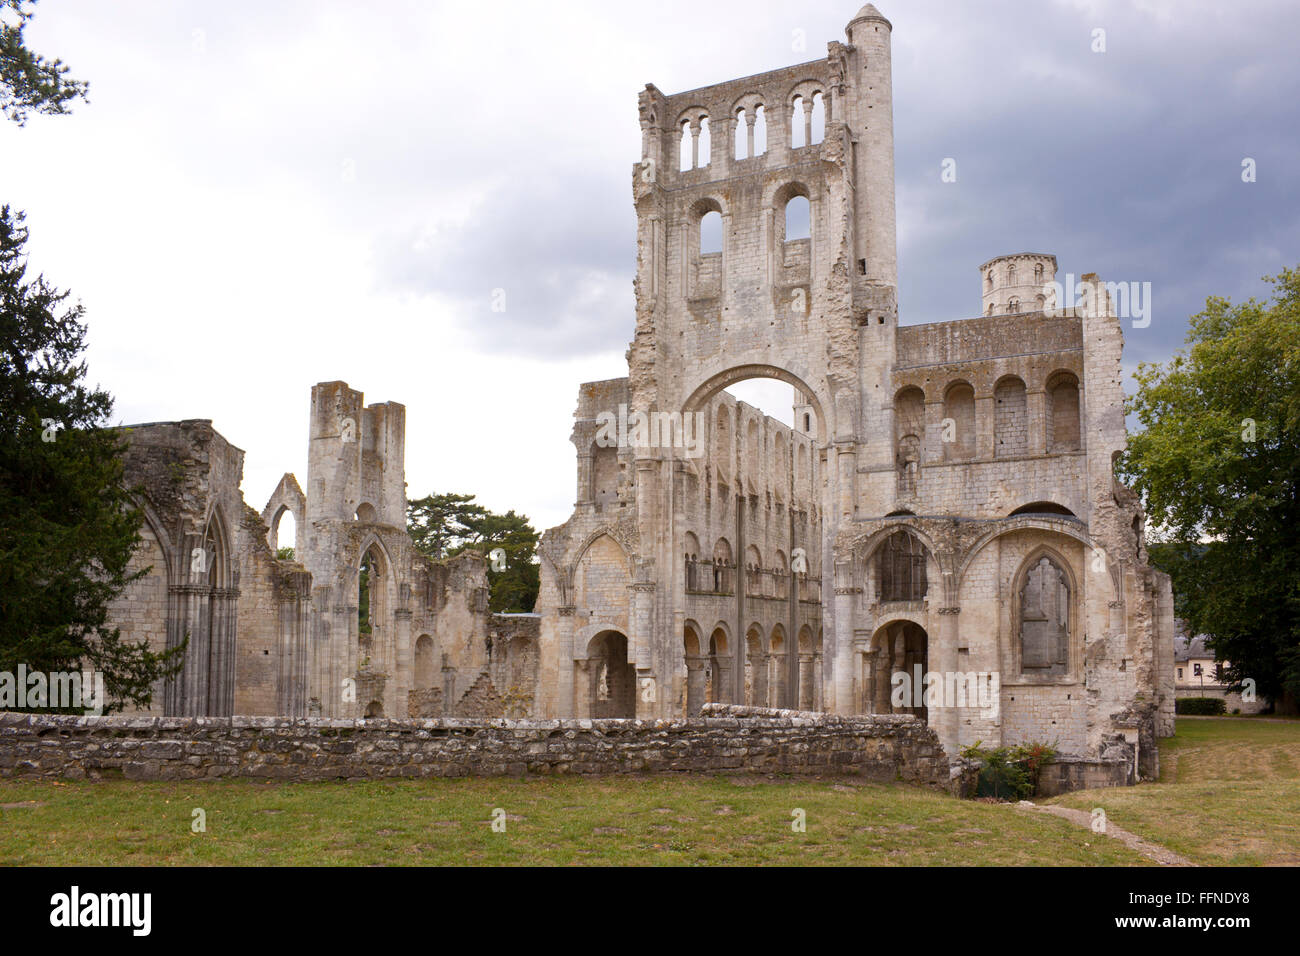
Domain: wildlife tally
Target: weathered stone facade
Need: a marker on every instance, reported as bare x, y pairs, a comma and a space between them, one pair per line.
949, 486
285, 637
944, 506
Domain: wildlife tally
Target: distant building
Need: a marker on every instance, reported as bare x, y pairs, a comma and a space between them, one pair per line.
1198, 673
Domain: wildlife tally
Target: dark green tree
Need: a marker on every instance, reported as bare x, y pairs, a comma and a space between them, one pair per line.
28, 81
68, 525
1218, 467
443, 525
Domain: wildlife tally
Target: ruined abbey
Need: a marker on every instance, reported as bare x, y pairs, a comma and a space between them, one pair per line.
939, 533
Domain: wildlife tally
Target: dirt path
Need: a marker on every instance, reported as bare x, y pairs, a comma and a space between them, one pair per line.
1152, 851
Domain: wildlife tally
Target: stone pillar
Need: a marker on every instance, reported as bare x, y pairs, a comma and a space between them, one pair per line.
343, 664
946, 722
1036, 412
806, 675
694, 684
402, 682
722, 679
564, 703
760, 679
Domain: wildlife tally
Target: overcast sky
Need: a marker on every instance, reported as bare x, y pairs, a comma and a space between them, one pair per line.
260, 196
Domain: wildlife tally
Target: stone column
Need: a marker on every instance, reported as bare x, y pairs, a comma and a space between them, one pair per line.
1036, 411
806, 674
564, 703
694, 684
402, 682
947, 724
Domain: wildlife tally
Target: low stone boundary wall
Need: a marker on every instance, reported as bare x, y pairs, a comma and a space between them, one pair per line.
723, 739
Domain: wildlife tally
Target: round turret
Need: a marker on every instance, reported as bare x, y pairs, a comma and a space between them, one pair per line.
1017, 283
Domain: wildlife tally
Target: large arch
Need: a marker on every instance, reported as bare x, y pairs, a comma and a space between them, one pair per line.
715, 383
613, 677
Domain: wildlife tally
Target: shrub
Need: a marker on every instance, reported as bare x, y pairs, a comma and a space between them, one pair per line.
1009, 773
1200, 706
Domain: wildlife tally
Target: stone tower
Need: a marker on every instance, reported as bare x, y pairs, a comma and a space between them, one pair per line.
1018, 283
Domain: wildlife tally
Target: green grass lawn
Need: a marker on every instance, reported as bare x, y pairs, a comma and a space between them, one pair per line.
1229, 794
639, 821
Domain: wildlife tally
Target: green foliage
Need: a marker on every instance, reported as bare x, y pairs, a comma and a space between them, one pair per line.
28, 81
1201, 706
284, 554
1009, 773
68, 527
444, 525
1218, 467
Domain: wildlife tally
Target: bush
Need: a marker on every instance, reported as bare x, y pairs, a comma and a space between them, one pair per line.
1200, 706
1009, 773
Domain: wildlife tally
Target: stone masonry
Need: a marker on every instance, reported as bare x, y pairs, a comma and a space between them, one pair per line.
883, 748
949, 487
939, 535
285, 636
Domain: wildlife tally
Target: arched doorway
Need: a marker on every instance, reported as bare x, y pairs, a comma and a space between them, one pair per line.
895, 669
718, 675
696, 670
613, 679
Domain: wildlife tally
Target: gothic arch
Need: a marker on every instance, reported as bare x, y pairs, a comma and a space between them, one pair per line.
1067, 527
1074, 615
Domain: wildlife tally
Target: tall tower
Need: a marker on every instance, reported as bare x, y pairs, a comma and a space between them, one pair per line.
807, 143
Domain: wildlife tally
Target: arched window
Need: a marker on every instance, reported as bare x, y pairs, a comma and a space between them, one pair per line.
706, 142
710, 232
1038, 273
797, 129
1044, 613
760, 132
959, 422
1013, 304
684, 148
741, 135
423, 668
284, 533
723, 567
798, 219
368, 583
818, 119
1011, 275
1063, 416
604, 476
900, 568
909, 426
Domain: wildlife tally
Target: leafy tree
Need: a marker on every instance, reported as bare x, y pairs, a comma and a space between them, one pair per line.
1218, 467
67, 523
442, 525
28, 81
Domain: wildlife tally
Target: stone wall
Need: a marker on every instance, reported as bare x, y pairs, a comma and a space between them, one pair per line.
730, 739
